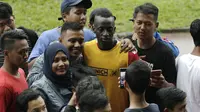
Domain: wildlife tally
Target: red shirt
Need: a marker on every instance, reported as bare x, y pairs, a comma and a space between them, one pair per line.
132, 56
10, 88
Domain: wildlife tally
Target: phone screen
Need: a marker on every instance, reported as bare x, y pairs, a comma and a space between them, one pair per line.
122, 77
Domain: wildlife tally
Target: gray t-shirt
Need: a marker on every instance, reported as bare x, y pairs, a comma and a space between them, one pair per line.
151, 108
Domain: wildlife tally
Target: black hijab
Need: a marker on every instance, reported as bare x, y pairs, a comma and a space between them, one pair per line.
49, 55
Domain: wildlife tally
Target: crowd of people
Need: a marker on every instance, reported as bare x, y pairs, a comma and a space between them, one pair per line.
72, 68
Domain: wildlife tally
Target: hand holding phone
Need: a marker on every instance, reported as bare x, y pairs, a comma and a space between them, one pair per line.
155, 73
157, 79
122, 77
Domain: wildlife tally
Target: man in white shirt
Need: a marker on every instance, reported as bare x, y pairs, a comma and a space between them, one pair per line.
188, 67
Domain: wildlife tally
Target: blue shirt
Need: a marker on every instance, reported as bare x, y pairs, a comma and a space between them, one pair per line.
52, 35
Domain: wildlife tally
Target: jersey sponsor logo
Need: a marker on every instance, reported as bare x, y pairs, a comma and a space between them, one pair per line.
106, 72
102, 72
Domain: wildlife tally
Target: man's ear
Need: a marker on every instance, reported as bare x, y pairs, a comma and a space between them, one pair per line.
64, 17
165, 110
60, 39
126, 85
157, 24
114, 29
90, 26
150, 81
5, 52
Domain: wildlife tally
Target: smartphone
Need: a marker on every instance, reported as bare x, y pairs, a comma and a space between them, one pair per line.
156, 72
122, 77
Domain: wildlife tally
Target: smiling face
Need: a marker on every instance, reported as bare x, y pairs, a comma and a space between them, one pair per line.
73, 41
144, 26
60, 63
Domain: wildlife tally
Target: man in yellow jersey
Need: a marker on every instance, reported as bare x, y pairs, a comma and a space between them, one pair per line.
104, 56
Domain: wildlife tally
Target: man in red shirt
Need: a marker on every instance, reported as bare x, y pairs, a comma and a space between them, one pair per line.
12, 78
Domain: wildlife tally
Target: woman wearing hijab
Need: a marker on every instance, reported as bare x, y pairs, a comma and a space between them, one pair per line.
56, 83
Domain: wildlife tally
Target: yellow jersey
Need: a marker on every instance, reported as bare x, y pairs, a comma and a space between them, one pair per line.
107, 64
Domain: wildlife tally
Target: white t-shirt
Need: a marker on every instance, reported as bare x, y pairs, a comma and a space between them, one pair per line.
188, 80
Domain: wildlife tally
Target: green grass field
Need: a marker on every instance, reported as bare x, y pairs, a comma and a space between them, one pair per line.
42, 15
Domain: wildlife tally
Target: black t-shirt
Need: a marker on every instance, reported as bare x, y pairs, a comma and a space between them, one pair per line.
162, 58
151, 108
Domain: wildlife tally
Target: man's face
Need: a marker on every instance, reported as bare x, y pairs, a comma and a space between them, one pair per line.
104, 29
37, 105
106, 109
180, 107
7, 24
144, 26
19, 54
76, 14
73, 41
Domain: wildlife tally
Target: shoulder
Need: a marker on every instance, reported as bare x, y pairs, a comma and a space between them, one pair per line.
161, 46
88, 31
90, 43
21, 71
50, 33
5, 85
189, 59
88, 35
5, 79
5, 90
154, 107
41, 83
38, 64
163, 49
28, 31
132, 56
128, 110
182, 58
39, 61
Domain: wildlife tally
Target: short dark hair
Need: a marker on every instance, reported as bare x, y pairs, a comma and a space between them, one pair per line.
88, 83
5, 10
92, 100
138, 76
147, 8
75, 26
24, 97
103, 12
171, 96
195, 31
8, 38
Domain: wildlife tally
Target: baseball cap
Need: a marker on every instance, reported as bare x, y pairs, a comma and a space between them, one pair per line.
67, 3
